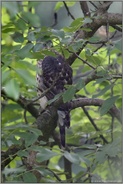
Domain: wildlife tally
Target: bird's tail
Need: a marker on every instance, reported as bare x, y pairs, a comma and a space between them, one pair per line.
63, 121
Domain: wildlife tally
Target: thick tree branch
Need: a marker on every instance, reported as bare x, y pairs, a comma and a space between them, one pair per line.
80, 102
98, 21
103, 7
49, 119
84, 7
112, 18
47, 122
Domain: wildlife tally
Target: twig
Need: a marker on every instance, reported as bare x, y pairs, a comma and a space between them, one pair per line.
93, 4
117, 27
102, 8
84, 61
45, 92
56, 176
94, 125
68, 11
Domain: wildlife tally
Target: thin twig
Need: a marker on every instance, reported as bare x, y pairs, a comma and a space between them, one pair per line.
68, 11
84, 61
93, 4
94, 125
56, 176
25, 117
117, 27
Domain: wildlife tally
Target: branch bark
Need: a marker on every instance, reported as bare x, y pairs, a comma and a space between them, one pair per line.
98, 21
84, 7
80, 102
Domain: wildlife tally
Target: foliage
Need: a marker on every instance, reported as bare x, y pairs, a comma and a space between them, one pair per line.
95, 153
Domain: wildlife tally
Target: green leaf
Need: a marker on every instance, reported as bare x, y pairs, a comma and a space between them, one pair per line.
54, 99
44, 172
77, 22
103, 91
107, 105
26, 76
101, 157
24, 52
29, 178
18, 37
38, 47
72, 157
70, 3
69, 94
12, 89
12, 7
5, 76
118, 45
88, 52
20, 24
94, 59
58, 33
87, 20
36, 131
31, 19
111, 150
58, 6
80, 84
45, 154
22, 153
31, 36
28, 137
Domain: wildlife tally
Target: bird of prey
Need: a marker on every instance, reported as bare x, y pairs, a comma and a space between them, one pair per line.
55, 73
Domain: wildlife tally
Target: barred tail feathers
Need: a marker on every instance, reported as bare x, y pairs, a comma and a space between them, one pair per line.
63, 121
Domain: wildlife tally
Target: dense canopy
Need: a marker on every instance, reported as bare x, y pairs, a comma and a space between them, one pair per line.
88, 36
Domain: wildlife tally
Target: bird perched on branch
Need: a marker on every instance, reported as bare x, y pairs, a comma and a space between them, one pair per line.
54, 74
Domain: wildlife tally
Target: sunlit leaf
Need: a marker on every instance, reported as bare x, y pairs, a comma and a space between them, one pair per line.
58, 6
12, 89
